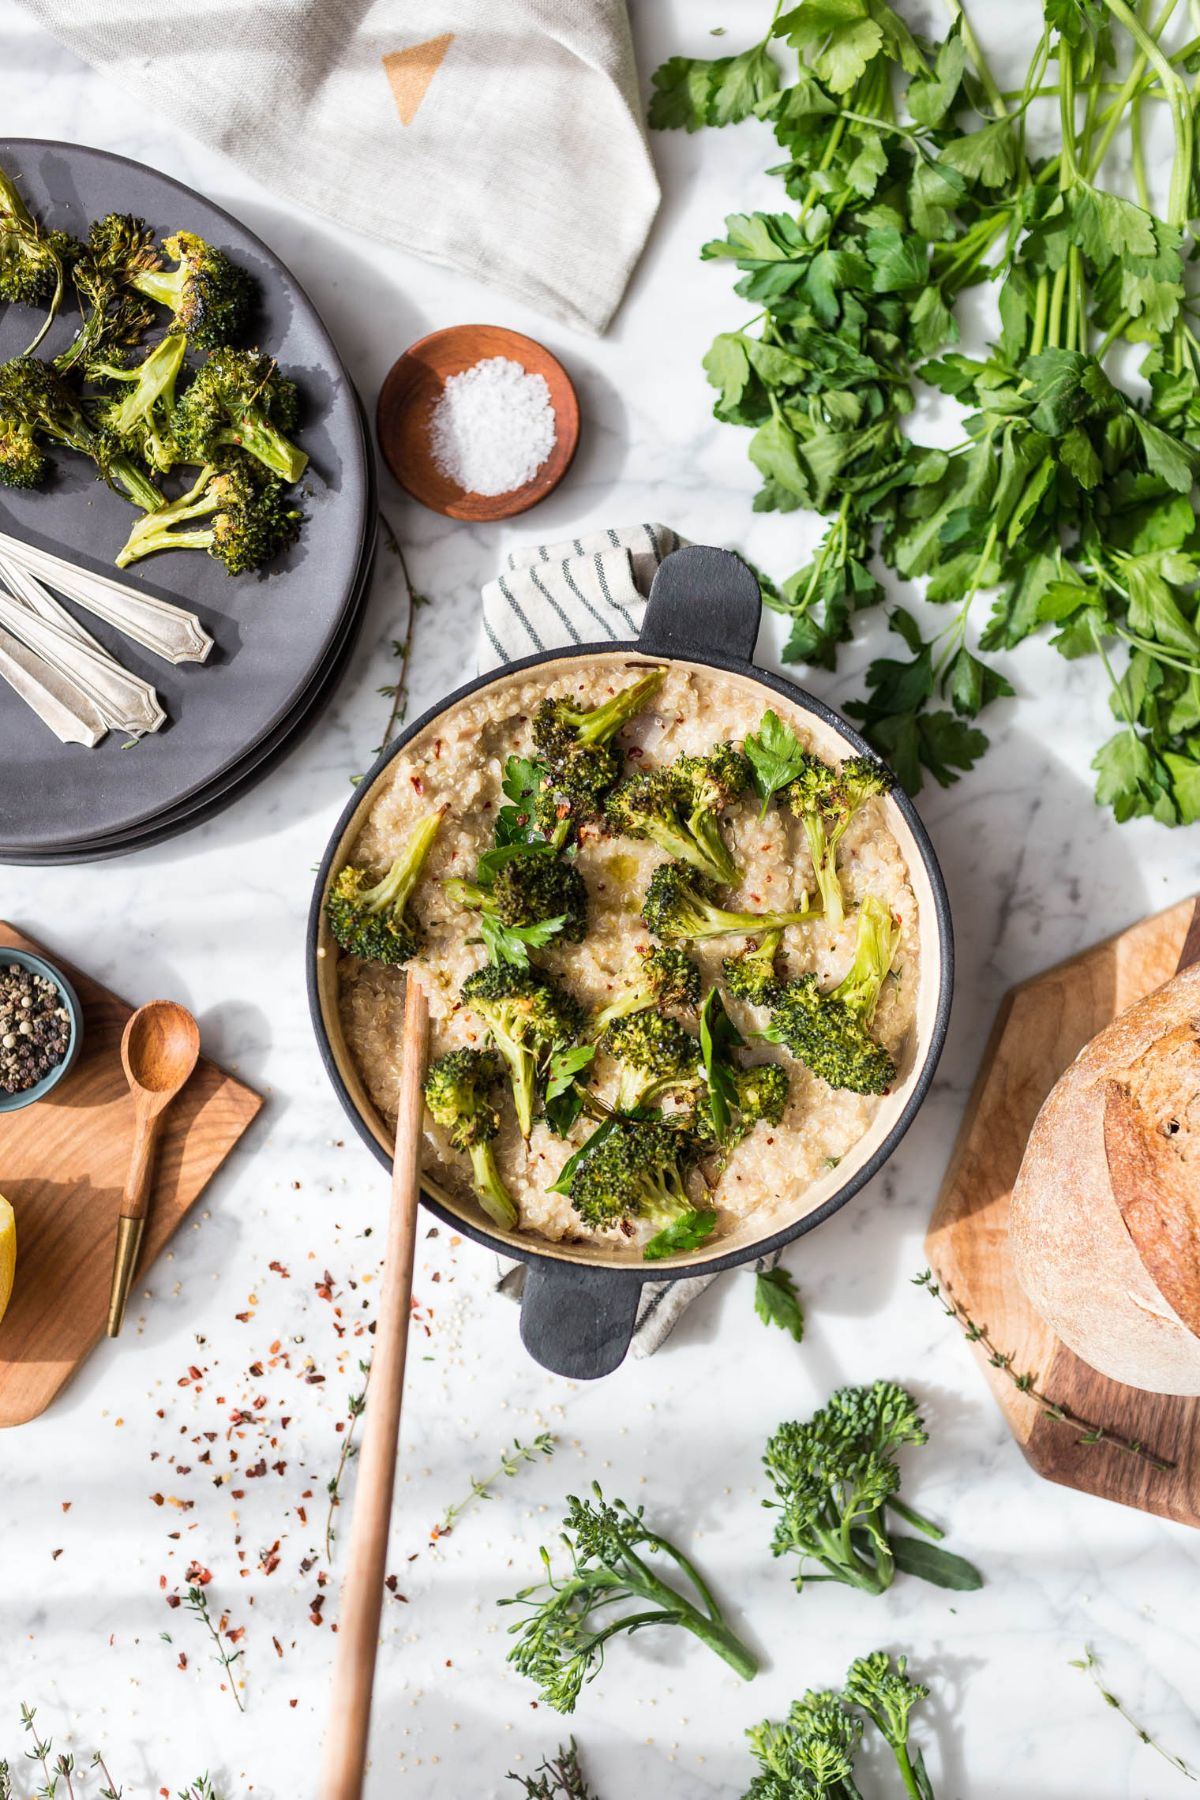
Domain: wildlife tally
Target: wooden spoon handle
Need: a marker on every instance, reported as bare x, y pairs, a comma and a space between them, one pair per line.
132, 1219
366, 1562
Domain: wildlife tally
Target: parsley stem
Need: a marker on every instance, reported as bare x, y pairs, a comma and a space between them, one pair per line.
987, 80
1131, 87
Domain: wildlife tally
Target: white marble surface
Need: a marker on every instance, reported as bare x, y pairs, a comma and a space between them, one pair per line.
1035, 871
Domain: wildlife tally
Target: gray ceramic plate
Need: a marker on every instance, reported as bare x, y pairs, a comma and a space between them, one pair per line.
273, 633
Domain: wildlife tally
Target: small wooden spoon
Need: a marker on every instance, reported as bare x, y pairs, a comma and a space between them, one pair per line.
366, 1560
159, 1049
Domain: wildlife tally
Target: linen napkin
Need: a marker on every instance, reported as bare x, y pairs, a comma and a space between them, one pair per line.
503, 138
550, 596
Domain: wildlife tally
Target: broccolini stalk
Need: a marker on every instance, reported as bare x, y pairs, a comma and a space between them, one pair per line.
887, 1696
560, 1644
371, 920
835, 1476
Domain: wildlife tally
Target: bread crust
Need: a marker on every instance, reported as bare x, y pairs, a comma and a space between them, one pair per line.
1105, 1218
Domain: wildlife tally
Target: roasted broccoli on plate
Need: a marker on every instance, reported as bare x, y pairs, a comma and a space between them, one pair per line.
250, 519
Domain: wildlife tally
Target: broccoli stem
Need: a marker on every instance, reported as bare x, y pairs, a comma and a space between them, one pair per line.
494, 1197
709, 1628
165, 286
908, 1774
138, 487
603, 722
822, 849
522, 1070
267, 445
154, 531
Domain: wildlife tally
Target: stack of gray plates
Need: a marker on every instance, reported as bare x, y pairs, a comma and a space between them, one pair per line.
281, 640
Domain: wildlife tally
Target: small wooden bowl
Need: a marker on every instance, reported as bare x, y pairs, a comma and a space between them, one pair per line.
411, 391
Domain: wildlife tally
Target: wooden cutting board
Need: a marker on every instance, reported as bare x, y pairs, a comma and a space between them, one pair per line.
63, 1163
1040, 1028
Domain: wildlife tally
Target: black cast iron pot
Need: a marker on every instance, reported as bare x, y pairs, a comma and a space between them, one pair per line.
580, 1302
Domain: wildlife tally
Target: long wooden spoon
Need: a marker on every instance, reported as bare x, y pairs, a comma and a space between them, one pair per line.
366, 1562
159, 1049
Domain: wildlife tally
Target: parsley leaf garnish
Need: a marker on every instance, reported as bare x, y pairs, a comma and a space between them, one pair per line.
775, 757
777, 1302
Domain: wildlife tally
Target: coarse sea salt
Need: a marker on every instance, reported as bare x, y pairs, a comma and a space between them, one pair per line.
492, 427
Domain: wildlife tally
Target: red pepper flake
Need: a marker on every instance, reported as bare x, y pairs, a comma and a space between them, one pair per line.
181, 1664
306, 1563
417, 783
324, 1287
234, 1493
255, 1369
314, 1614
278, 1647
292, 1702
157, 1499
174, 1600
269, 1560
302, 1515
66, 1505
54, 1555
243, 1318
256, 1469
314, 1380
278, 1268
198, 1575
635, 752
235, 1637
280, 1468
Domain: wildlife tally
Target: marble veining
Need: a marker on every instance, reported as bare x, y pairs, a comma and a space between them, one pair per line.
96, 1529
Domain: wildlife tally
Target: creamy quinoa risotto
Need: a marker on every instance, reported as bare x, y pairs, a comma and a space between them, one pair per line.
458, 763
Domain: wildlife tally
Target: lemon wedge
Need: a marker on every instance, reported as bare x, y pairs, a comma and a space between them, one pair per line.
8, 1252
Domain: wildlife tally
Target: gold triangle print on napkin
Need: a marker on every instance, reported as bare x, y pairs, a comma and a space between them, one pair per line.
410, 72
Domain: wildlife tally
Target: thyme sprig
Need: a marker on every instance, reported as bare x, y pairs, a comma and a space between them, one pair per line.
557, 1778
511, 1462
1090, 1665
197, 1604
355, 1407
1089, 1431
75, 1780
402, 648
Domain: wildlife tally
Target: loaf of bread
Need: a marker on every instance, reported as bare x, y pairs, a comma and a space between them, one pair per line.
1106, 1209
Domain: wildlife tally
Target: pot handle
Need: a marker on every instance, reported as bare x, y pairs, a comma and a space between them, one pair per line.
577, 1322
702, 600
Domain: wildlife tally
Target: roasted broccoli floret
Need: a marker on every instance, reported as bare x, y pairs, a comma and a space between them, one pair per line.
887, 1695
527, 890
760, 1093
575, 744
119, 246
831, 1031
636, 1171
210, 296
656, 1054
456, 1093
679, 909
37, 407
527, 1016
250, 521
825, 800
371, 920
812, 1753
834, 1477
750, 972
679, 809
613, 1587
143, 416
33, 262
239, 398
663, 976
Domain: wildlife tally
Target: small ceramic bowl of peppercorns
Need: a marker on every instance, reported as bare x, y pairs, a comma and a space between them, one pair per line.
41, 1028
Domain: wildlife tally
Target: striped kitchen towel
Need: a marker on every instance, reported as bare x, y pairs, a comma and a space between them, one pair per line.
550, 596
582, 591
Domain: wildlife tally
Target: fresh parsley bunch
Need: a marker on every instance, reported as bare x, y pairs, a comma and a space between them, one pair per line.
910, 178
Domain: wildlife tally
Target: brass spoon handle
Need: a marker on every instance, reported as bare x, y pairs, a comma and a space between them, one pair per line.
132, 1222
